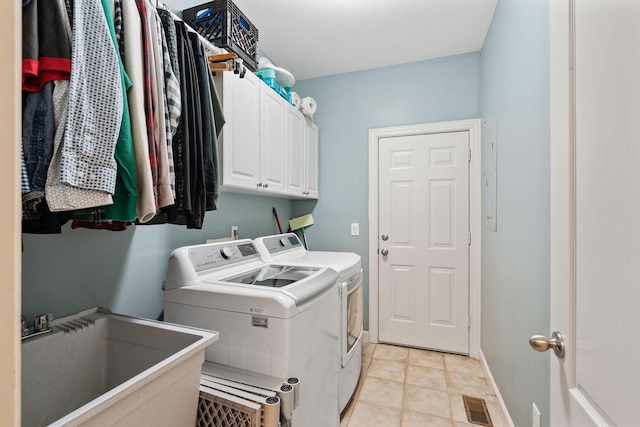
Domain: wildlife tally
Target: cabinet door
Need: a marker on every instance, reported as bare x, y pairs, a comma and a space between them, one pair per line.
295, 156
272, 140
311, 160
241, 133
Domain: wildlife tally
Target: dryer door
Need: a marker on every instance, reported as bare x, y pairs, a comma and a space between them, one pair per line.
352, 316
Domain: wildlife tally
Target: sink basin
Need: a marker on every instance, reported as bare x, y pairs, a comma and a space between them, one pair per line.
100, 368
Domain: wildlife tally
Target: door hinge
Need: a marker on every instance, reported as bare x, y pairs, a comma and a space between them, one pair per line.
469, 155
469, 239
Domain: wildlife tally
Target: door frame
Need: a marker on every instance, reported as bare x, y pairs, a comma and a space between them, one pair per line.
10, 217
475, 217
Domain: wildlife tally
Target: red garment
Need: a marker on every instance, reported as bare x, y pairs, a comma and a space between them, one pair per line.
46, 44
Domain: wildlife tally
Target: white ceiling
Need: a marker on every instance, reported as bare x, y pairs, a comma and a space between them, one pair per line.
313, 38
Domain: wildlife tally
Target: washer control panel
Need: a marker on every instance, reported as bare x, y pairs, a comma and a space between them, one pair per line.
281, 243
206, 257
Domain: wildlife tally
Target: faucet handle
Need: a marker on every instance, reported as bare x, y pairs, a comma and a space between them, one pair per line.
24, 329
41, 322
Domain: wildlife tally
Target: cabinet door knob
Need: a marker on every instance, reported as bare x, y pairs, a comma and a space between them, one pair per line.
265, 186
259, 185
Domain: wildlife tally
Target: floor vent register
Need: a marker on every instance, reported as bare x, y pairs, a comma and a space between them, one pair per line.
477, 412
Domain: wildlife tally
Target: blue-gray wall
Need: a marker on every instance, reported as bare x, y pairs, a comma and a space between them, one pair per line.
515, 258
348, 106
123, 270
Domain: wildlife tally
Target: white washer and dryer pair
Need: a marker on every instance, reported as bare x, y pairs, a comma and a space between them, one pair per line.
273, 319
286, 249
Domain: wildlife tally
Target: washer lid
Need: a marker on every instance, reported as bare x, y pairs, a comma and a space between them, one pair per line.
284, 302
274, 276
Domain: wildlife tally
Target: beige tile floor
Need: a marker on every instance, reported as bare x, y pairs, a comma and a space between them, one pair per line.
406, 387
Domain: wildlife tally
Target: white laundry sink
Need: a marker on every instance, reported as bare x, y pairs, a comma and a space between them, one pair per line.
98, 368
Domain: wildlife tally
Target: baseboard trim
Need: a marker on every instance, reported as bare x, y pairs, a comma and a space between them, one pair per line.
494, 387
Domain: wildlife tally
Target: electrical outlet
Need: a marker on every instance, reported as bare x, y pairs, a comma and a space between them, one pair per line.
355, 229
234, 232
535, 417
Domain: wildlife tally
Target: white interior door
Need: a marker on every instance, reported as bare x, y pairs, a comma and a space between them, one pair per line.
423, 264
595, 211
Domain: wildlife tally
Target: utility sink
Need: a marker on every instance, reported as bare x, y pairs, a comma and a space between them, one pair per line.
97, 368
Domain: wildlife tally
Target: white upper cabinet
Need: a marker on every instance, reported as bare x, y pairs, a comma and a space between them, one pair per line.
267, 145
240, 137
273, 109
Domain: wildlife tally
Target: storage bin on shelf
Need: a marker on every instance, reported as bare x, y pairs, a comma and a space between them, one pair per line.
268, 75
224, 25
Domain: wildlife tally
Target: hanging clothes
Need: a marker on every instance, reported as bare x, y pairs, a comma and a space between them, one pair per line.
173, 100
189, 135
121, 127
62, 197
38, 129
217, 117
172, 44
125, 197
94, 113
148, 97
134, 63
123, 209
208, 171
159, 103
46, 57
46, 51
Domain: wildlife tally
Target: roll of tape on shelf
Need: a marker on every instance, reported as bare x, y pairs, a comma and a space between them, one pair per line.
295, 99
308, 106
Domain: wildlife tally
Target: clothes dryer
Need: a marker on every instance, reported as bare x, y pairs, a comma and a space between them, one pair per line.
286, 249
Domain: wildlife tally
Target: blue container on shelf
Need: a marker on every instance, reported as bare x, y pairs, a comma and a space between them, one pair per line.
268, 75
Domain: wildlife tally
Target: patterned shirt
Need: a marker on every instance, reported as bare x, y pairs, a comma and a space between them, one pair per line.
95, 103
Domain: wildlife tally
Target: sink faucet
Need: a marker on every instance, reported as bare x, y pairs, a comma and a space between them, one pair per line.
40, 325
24, 328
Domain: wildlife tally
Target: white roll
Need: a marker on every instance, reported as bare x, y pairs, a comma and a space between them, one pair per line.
308, 106
295, 99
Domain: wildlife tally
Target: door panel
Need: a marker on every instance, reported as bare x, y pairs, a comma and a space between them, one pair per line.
424, 210
594, 268
241, 135
272, 140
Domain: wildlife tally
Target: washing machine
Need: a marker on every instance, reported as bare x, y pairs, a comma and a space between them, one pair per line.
273, 319
287, 249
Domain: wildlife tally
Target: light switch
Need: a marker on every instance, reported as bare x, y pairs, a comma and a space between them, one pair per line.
355, 229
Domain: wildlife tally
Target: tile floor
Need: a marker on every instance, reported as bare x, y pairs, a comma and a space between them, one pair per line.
406, 387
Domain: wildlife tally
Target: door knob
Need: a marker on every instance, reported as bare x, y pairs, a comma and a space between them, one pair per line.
385, 237
384, 252
542, 343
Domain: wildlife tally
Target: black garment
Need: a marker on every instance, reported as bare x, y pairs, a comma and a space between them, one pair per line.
205, 118
188, 143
